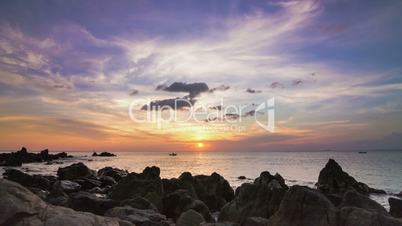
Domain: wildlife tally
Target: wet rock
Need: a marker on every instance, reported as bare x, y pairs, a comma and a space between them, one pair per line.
67, 186
27, 180
259, 199
256, 221
354, 199
57, 196
190, 218
115, 173
74, 171
103, 154
88, 183
219, 224
139, 203
395, 207
19, 206
333, 180
179, 201
87, 202
137, 216
39, 192
303, 206
147, 184
106, 180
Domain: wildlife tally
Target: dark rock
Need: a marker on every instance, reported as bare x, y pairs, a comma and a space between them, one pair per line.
19, 206
377, 191
219, 224
115, 173
57, 196
139, 203
353, 216
96, 190
39, 192
259, 199
23, 156
256, 221
67, 186
395, 207
106, 180
179, 201
87, 202
190, 218
103, 154
137, 216
241, 178
147, 184
303, 206
74, 171
333, 180
354, 199
88, 183
27, 180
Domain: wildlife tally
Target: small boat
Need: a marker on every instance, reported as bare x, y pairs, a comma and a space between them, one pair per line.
172, 154
362, 152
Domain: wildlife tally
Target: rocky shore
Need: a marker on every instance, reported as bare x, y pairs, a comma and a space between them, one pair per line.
111, 196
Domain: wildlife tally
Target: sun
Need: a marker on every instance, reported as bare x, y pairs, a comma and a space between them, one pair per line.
200, 145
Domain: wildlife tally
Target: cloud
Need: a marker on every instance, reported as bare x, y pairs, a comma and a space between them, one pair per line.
134, 92
193, 89
297, 82
220, 88
165, 104
253, 91
275, 85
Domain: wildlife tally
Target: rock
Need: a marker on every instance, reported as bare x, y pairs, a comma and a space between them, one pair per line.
137, 216
139, 203
147, 184
96, 190
179, 201
20, 207
106, 180
103, 154
57, 196
395, 207
354, 199
400, 194
190, 218
67, 186
74, 171
353, 216
219, 224
377, 191
39, 192
259, 199
241, 178
27, 180
213, 190
333, 180
303, 206
256, 221
23, 156
115, 173
88, 183
87, 202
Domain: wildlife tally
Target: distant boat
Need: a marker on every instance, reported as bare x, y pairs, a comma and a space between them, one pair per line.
362, 152
172, 154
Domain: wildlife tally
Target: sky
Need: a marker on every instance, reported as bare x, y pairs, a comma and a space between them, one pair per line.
73, 74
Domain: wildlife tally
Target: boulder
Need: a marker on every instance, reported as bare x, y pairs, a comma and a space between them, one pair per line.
219, 224
354, 199
87, 202
139, 203
304, 206
259, 199
190, 218
137, 216
256, 221
333, 180
37, 181
115, 173
67, 186
241, 178
147, 184
213, 190
88, 183
353, 216
395, 207
179, 201
74, 171
103, 154
23, 156
107, 181
20, 207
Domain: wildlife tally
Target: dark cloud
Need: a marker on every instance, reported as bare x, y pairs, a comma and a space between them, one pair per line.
134, 92
232, 116
193, 89
218, 107
297, 82
275, 85
219, 88
174, 103
253, 91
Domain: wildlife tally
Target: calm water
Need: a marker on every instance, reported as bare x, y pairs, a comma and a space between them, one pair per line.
378, 169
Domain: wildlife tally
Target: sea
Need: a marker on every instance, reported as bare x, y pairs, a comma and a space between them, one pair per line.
378, 169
